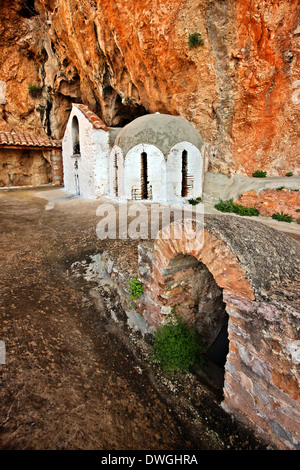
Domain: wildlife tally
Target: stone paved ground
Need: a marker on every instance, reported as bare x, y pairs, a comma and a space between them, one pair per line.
69, 381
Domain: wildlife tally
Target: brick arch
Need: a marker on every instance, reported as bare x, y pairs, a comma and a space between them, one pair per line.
219, 259
214, 253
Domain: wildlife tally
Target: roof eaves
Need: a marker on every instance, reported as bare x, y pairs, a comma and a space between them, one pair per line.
91, 117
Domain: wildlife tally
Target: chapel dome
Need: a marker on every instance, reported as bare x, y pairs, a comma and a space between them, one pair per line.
161, 130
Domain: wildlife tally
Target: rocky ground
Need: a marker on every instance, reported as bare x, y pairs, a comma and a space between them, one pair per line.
72, 378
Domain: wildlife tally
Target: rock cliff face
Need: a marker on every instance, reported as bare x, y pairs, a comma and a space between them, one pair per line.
240, 88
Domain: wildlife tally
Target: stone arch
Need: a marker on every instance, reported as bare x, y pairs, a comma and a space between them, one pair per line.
156, 172
195, 277
258, 270
212, 252
193, 171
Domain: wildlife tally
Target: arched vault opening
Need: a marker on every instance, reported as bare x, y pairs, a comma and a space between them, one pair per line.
191, 279
191, 292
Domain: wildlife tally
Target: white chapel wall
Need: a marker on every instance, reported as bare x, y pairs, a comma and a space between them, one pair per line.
92, 173
101, 149
84, 161
68, 162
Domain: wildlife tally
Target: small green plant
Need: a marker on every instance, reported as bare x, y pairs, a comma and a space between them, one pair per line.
289, 174
195, 40
259, 174
194, 202
298, 221
297, 210
280, 188
34, 90
176, 346
230, 206
282, 217
136, 288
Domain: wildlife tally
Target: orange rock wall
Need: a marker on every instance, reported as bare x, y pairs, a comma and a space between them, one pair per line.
267, 104
270, 201
240, 89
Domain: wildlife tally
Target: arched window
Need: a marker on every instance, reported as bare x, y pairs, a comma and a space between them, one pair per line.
75, 136
184, 167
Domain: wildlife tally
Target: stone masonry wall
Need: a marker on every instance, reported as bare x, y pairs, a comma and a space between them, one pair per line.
261, 386
262, 370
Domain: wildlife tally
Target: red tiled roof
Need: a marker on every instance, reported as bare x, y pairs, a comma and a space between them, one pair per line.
26, 140
92, 117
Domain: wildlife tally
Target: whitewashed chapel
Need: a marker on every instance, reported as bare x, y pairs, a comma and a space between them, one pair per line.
155, 157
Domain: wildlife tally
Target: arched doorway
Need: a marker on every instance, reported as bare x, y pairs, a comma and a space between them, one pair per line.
144, 173
184, 171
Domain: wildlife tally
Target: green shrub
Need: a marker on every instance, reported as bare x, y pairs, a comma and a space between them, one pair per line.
176, 346
289, 174
230, 206
194, 202
34, 90
195, 40
259, 174
297, 210
298, 221
282, 217
136, 288
280, 188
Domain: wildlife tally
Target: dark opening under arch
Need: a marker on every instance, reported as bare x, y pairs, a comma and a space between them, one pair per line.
191, 291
